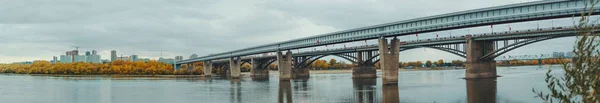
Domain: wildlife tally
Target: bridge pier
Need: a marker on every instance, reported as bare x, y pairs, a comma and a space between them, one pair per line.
190, 66
477, 67
257, 69
176, 66
284, 65
207, 68
389, 59
234, 67
364, 68
300, 71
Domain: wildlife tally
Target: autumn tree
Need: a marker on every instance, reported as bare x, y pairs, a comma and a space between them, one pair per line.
246, 67
428, 63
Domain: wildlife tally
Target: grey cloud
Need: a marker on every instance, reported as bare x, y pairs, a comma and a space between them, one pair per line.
42, 29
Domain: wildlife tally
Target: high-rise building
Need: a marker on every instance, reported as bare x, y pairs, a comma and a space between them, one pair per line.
113, 55
54, 60
134, 58
66, 58
80, 58
178, 58
93, 59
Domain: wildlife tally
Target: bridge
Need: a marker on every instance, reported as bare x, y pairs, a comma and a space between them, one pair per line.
479, 50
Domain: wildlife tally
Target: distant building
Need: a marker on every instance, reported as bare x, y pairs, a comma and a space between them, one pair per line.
168, 60
72, 56
134, 58
558, 55
80, 58
126, 58
145, 60
570, 55
66, 59
178, 58
193, 56
113, 55
93, 58
54, 59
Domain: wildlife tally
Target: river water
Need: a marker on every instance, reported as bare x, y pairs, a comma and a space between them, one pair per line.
442, 86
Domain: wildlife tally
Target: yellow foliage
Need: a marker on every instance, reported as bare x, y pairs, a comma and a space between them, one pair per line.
80, 68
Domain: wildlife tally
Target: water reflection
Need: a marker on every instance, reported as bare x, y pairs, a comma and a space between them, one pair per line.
260, 79
364, 90
236, 91
481, 90
285, 92
301, 84
390, 94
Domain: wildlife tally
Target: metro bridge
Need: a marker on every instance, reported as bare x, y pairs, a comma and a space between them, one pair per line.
479, 50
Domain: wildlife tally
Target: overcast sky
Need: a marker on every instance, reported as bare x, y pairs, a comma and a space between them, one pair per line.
40, 29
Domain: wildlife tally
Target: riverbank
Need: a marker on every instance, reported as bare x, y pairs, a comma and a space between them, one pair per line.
244, 74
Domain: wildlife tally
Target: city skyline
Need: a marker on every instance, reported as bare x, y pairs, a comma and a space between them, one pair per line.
199, 30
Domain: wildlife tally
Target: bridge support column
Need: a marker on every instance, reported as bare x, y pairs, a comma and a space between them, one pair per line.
389, 59
207, 68
190, 66
258, 70
477, 67
300, 71
363, 69
177, 66
284, 65
234, 67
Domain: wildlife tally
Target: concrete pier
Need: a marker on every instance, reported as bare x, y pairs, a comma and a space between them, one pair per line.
475, 66
284, 65
207, 68
389, 60
257, 69
300, 70
234, 65
363, 69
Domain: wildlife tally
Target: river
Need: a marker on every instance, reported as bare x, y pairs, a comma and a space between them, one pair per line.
440, 86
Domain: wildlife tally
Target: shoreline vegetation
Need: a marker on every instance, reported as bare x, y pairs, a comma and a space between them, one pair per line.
118, 67
122, 68
533, 62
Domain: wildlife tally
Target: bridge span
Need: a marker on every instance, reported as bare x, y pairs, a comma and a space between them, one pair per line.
479, 50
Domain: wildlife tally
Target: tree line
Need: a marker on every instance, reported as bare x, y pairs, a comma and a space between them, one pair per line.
119, 67
515, 62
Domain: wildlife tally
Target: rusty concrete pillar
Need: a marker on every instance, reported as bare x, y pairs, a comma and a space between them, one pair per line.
299, 70
234, 67
476, 67
284, 65
207, 68
363, 68
389, 59
258, 70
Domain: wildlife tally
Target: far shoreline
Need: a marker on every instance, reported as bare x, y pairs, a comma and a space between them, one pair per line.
244, 74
